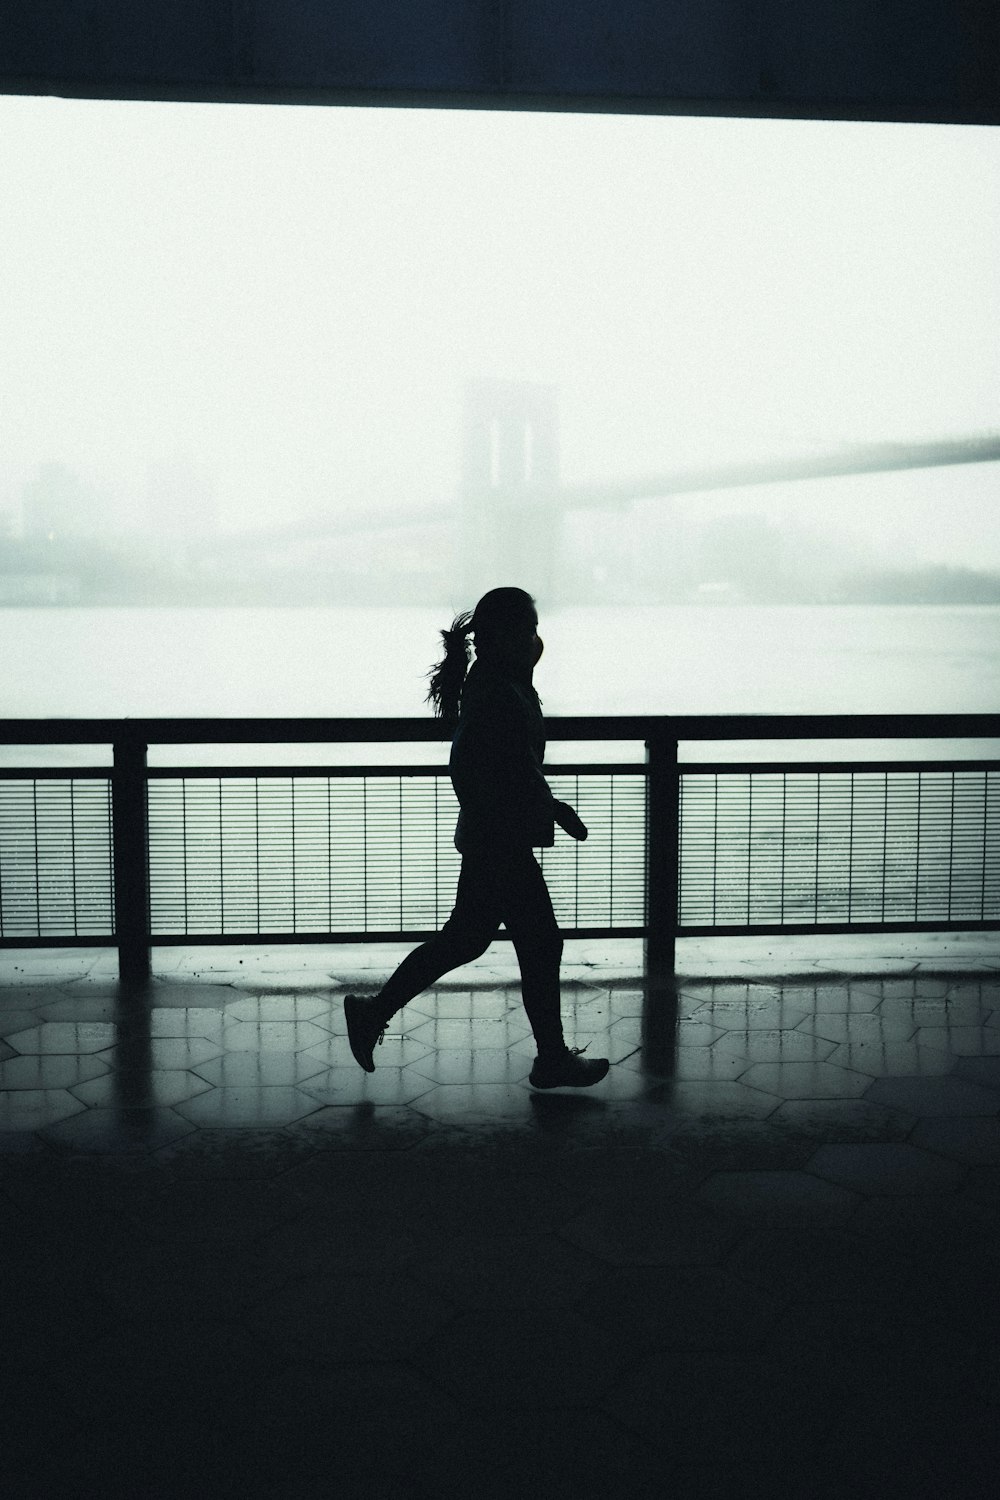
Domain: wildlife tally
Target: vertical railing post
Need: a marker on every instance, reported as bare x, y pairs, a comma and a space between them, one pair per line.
662, 853
131, 853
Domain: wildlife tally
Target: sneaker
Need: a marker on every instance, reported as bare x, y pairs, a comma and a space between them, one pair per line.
365, 1027
568, 1070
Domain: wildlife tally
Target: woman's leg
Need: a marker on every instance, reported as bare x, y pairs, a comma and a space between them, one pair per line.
538, 942
531, 923
465, 936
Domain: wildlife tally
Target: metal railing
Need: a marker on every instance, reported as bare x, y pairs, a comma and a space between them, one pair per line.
138, 856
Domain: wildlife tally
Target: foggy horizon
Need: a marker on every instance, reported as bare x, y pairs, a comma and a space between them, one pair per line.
273, 312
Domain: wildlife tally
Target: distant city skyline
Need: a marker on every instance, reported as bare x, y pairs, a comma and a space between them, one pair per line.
287, 303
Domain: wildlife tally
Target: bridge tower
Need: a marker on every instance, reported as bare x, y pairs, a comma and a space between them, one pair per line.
510, 509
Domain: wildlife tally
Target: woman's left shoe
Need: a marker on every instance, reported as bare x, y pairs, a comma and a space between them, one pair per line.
365, 1028
568, 1070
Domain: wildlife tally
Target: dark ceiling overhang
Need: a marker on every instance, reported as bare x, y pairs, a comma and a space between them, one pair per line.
905, 60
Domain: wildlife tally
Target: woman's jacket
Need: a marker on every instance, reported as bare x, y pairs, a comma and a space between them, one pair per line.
496, 765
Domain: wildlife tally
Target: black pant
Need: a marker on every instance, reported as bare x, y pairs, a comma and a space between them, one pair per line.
494, 888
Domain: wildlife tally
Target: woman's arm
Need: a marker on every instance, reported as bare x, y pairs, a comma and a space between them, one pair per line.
496, 767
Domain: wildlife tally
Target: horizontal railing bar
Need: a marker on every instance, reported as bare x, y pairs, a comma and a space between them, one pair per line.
56, 773
776, 929
103, 939
574, 768
831, 767
161, 773
164, 731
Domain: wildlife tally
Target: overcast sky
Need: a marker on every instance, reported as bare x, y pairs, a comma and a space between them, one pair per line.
289, 299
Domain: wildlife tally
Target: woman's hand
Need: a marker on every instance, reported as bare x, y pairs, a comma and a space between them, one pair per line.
568, 820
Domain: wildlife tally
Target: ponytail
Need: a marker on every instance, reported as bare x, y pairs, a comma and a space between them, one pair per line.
448, 678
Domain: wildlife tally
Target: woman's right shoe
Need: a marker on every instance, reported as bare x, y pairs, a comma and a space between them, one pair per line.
365, 1028
568, 1070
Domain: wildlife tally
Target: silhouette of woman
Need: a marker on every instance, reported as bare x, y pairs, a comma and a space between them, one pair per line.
506, 810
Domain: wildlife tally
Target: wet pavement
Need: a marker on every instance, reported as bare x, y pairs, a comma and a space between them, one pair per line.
762, 1255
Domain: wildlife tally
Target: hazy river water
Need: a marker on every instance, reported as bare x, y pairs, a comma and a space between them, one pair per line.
598, 660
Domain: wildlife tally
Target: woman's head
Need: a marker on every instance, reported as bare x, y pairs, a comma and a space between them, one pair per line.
505, 626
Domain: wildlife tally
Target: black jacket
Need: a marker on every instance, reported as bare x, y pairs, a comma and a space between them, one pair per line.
496, 765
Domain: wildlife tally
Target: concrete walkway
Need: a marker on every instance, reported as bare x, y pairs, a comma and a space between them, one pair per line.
761, 1257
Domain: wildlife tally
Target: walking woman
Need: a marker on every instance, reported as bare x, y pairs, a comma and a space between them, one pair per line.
506, 811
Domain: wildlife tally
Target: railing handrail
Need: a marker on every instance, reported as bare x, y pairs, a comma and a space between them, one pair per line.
131, 780
208, 731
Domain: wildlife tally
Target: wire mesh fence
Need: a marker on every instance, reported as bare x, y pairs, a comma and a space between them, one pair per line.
366, 852
56, 866
237, 853
832, 845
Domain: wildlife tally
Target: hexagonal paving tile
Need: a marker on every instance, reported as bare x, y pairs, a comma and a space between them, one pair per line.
858, 1026
272, 1105
364, 1128
885, 1167
774, 1046
697, 1033
393, 1052
78, 1009
467, 1101
686, 1064
842, 1120
110, 1131
50, 1070
472, 1033
183, 1052
714, 1100
836, 999
163, 1087
778, 1197
244, 1153
263, 1008
273, 1036
65, 1036
462, 1005
961, 1041
193, 1020
752, 1015
627, 1002
31, 1109
806, 1080
473, 1065
14, 1021
984, 1070
881, 1059
949, 1010
904, 988
352, 1085
934, 1096
259, 1069
974, 1140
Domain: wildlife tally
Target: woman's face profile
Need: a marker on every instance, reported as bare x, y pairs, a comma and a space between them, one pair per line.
520, 646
